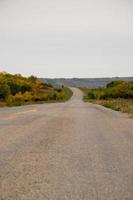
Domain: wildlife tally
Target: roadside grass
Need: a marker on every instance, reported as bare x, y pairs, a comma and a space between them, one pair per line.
118, 104
85, 92
122, 105
2, 104
67, 94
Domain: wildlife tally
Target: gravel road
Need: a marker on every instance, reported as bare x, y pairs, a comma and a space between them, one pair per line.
65, 151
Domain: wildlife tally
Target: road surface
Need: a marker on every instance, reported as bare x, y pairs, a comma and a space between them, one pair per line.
65, 151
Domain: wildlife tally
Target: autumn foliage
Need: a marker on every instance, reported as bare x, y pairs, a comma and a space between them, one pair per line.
113, 90
18, 90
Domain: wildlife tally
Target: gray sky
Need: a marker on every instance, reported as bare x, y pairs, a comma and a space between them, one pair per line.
67, 38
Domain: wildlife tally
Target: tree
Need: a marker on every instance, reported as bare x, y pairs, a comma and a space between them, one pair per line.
4, 91
32, 79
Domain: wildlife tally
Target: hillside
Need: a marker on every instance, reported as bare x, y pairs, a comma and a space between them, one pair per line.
84, 82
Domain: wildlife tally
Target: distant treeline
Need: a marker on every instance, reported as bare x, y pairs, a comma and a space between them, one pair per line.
84, 82
114, 90
18, 90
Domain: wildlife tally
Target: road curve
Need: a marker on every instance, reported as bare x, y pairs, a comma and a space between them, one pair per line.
65, 151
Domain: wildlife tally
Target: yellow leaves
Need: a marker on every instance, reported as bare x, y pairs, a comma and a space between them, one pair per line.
38, 88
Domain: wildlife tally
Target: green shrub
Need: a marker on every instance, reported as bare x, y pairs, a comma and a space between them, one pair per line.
11, 101
115, 83
45, 97
114, 90
52, 96
61, 96
91, 95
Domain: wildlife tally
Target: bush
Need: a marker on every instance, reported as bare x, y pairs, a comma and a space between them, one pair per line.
58, 89
61, 96
115, 83
19, 99
45, 97
114, 90
91, 95
11, 101
27, 96
52, 96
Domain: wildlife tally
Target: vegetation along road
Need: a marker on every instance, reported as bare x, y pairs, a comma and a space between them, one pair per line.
65, 151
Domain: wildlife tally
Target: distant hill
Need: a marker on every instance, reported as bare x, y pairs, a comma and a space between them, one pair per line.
83, 82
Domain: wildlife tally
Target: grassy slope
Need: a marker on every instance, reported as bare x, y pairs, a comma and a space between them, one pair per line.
68, 94
123, 105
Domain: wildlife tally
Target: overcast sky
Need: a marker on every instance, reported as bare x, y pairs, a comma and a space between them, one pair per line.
67, 38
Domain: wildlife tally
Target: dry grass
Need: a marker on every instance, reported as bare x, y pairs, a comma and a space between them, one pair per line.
119, 104
122, 105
